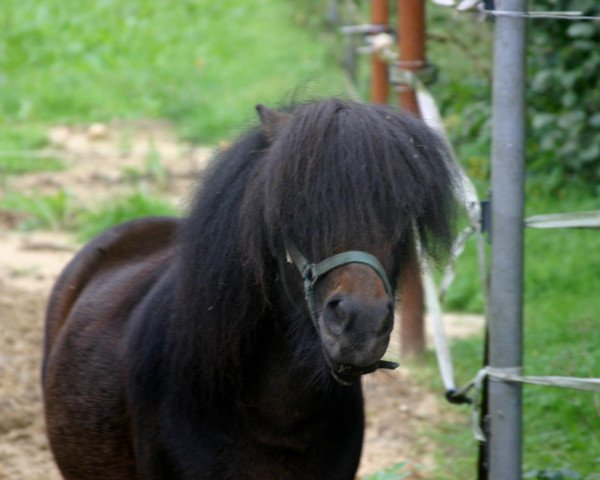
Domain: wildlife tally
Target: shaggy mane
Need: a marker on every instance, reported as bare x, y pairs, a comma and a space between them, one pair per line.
338, 174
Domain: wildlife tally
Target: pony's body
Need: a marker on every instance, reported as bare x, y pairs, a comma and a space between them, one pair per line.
278, 431
184, 349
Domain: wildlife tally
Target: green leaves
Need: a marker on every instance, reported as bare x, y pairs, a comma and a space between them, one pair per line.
563, 474
564, 98
581, 30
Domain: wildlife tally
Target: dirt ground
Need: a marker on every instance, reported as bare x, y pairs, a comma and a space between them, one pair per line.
101, 160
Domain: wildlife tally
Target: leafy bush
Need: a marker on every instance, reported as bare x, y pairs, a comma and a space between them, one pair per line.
553, 475
461, 47
563, 96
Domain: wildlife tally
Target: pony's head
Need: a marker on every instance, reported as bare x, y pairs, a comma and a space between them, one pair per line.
360, 181
350, 308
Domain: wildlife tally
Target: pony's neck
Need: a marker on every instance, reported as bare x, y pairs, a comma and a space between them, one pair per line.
287, 383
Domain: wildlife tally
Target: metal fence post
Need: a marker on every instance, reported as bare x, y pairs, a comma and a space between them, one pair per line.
506, 287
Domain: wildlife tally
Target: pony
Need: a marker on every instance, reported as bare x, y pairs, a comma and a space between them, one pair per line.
230, 344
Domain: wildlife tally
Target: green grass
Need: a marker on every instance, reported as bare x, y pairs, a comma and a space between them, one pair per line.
20, 151
394, 472
17, 163
139, 204
49, 212
61, 211
561, 336
31, 137
203, 65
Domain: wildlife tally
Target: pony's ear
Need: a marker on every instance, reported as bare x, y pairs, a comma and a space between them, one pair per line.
272, 120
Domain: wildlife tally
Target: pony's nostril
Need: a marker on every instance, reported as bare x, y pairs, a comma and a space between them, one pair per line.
335, 306
386, 325
341, 313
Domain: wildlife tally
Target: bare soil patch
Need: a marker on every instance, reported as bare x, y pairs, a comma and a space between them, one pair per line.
101, 161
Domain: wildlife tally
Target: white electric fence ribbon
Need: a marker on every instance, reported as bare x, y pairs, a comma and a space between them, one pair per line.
539, 14
434, 308
513, 375
509, 375
565, 220
478, 5
433, 295
470, 200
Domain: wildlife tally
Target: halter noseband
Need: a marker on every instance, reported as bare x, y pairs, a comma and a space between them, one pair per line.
311, 273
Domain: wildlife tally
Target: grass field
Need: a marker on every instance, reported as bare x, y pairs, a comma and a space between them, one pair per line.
204, 65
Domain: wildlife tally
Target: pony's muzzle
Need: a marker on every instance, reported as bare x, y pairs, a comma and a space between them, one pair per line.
355, 333
343, 312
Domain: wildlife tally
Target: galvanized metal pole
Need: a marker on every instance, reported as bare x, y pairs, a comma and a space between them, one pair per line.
506, 287
411, 56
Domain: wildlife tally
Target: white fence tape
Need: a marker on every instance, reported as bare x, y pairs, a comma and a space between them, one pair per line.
433, 295
514, 375
565, 220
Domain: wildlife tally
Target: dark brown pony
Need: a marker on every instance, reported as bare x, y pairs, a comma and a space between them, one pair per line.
186, 349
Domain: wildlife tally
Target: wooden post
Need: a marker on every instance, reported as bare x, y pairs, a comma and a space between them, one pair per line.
379, 71
411, 47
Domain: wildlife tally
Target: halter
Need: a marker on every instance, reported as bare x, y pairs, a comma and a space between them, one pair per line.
311, 273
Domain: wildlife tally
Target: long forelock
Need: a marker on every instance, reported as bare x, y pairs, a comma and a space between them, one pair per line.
343, 174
